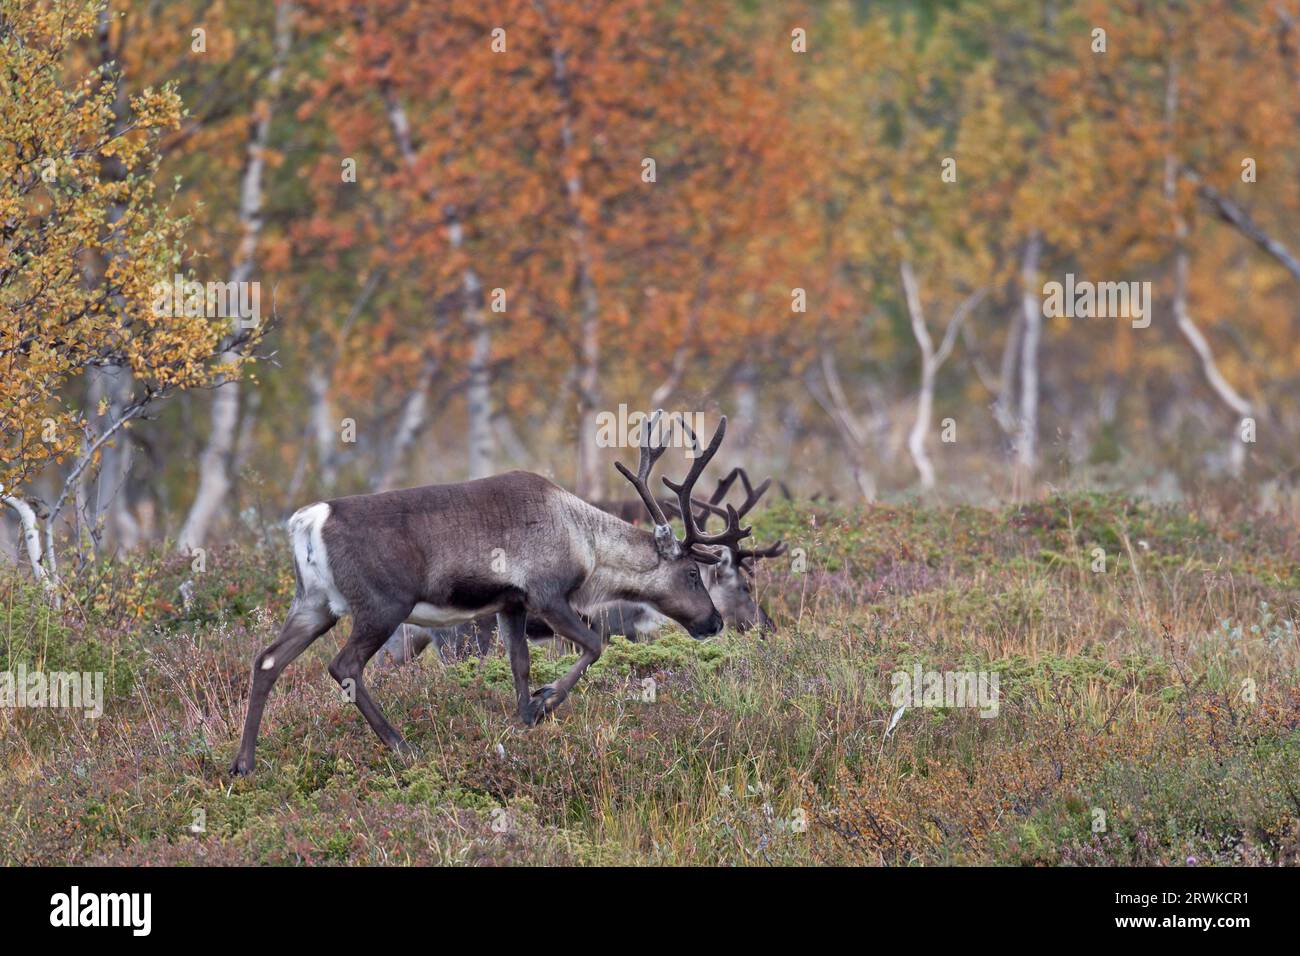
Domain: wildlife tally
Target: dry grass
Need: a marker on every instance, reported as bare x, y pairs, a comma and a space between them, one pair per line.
1124, 698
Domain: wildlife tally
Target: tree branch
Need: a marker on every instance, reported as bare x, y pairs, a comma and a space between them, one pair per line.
1241, 220
31, 538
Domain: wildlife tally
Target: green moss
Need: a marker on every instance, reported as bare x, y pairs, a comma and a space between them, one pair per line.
673, 650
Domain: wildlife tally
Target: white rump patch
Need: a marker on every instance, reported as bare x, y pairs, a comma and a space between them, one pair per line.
311, 557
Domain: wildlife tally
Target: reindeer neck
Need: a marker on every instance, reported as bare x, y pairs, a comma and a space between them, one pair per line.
623, 553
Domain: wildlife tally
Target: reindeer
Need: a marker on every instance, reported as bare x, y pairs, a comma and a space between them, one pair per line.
630, 510
618, 618
728, 582
431, 555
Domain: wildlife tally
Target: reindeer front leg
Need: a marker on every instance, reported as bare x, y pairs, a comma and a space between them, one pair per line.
513, 626
567, 623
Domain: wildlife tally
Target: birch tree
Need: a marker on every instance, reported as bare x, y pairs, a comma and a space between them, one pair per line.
215, 478
65, 211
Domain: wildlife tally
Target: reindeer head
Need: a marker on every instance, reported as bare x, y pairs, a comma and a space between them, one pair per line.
675, 587
730, 580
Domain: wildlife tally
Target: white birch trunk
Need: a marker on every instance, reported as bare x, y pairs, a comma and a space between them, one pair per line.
1182, 269
410, 422
1228, 395
925, 398
31, 540
589, 480
1032, 312
214, 464
104, 501
931, 361
478, 393
104, 505
323, 428
830, 395
478, 388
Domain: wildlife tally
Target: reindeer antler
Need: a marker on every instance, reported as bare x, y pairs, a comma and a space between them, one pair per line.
756, 554
696, 541
649, 455
702, 510
752, 496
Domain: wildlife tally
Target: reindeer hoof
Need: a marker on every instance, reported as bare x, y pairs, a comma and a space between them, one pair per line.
543, 703
241, 768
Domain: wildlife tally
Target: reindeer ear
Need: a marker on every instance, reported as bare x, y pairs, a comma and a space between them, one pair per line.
666, 542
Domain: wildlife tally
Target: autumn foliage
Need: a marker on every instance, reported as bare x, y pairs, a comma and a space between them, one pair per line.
78, 196
484, 223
